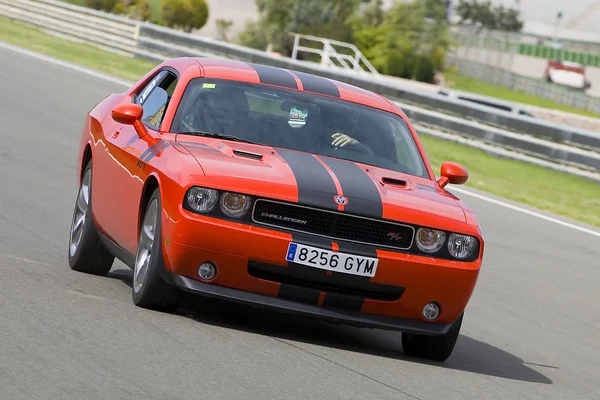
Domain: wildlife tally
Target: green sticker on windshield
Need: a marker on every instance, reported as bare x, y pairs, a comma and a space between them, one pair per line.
297, 117
208, 86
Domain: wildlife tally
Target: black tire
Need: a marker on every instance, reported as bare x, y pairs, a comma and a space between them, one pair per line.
432, 347
86, 252
153, 292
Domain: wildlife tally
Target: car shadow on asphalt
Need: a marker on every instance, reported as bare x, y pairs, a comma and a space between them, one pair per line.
470, 355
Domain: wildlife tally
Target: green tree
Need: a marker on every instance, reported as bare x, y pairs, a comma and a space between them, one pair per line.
409, 42
184, 14
223, 26
508, 19
324, 18
482, 14
102, 5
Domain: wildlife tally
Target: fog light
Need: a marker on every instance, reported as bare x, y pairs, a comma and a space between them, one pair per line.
431, 311
207, 271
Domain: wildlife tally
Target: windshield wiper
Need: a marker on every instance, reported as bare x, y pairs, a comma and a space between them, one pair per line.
218, 136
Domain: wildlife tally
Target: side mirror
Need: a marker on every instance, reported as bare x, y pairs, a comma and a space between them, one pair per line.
130, 114
453, 173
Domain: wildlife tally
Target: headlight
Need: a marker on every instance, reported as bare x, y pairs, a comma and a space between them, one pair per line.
235, 205
202, 200
430, 240
461, 246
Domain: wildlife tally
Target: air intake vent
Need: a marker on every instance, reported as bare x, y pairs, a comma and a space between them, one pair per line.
392, 181
253, 156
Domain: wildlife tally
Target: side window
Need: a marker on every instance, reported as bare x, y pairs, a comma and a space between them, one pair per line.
154, 107
155, 98
143, 95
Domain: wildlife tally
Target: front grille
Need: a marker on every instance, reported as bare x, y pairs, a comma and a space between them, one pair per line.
333, 224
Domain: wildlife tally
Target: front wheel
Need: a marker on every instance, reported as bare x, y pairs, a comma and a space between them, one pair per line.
149, 290
432, 347
86, 252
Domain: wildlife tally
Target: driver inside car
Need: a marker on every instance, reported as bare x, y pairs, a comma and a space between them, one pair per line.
341, 132
341, 139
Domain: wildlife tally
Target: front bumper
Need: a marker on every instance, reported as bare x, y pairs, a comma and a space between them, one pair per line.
284, 306
252, 268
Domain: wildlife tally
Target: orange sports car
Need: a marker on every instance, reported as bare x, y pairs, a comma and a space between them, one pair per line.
277, 189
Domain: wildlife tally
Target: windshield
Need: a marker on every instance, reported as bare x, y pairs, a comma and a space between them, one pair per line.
300, 121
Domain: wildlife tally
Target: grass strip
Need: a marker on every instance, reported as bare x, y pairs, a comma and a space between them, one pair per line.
79, 53
545, 189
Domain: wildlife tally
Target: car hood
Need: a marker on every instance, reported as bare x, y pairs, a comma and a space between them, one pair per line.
323, 182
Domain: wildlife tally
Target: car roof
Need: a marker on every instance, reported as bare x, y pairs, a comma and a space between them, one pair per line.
257, 73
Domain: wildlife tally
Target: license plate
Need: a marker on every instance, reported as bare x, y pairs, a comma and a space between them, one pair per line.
331, 261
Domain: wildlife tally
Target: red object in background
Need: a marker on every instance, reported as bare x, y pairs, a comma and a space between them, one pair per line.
567, 73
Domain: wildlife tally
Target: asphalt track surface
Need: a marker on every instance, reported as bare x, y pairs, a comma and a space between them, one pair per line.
532, 330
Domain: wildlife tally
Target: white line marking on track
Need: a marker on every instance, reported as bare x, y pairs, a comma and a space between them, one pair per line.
64, 64
89, 296
29, 261
459, 190
525, 211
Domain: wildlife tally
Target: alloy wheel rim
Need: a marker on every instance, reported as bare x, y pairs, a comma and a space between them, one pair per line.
80, 213
144, 252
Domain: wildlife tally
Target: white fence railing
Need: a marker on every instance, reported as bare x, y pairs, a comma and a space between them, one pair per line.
330, 57
142, 39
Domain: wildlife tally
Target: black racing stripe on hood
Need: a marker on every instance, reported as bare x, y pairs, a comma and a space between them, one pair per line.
274, 76
317, 84
362, 193
315, 185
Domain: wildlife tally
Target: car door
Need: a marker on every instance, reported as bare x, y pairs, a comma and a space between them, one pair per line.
125, 162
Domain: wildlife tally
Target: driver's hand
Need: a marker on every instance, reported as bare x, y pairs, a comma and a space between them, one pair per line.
341, 139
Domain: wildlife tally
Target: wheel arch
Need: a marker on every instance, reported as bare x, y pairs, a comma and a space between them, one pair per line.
85, 159
152, 183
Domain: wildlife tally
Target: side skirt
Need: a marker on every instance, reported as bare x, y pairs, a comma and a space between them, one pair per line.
129, 259
120, 253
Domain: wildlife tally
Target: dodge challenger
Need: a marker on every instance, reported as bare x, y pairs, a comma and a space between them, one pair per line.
277, 189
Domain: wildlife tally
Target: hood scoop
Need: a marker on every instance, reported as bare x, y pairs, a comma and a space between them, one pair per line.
394, 181
245, 154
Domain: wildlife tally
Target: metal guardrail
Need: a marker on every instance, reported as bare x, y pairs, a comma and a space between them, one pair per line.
104, 30
142, 39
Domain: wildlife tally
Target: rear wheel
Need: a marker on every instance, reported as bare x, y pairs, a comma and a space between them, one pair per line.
149, 290
432, 347
86, 252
